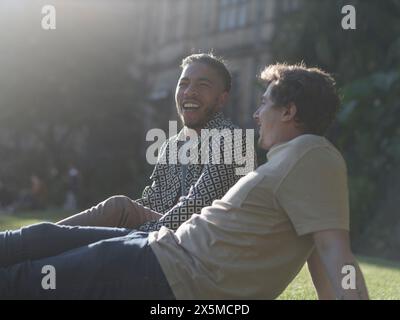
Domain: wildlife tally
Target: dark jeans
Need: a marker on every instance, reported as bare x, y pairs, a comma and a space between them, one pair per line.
89, 263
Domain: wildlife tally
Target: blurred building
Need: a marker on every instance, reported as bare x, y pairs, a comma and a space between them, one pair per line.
238, 30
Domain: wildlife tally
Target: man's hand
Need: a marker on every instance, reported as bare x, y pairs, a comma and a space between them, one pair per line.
332, 253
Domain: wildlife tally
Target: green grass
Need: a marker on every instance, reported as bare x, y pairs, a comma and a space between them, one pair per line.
15, 221
382, 276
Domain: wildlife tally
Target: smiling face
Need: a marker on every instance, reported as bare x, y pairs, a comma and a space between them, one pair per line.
272, 121
200, 93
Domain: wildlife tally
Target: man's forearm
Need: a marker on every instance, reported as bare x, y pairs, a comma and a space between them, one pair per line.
340, 265
360, 292
320, 278
346, 278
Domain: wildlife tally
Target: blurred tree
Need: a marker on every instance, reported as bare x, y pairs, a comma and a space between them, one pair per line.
68, 98
91, 120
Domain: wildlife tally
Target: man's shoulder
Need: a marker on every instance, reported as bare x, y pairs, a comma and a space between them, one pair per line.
317, 148
300, 146
307, 142
314, 150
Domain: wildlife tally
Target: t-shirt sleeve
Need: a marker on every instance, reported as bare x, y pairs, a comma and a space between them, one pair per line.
314, 194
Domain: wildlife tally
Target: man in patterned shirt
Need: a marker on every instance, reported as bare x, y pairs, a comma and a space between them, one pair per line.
179, 191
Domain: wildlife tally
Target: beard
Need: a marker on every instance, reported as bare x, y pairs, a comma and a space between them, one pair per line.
199, 120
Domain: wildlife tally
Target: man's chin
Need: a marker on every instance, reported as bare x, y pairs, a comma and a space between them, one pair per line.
261, 144
193, 126
192, 123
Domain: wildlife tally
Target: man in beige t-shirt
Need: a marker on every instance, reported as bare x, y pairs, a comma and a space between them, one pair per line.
253, 242
248, 245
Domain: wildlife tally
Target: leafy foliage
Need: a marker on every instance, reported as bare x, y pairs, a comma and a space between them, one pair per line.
88, 120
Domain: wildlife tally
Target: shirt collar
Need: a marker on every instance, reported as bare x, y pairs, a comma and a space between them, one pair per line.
276, 149
215, 122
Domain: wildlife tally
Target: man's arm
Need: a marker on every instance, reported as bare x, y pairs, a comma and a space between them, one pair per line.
320, 278
333, 253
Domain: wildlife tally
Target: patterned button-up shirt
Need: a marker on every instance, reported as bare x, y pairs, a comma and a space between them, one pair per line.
179, 191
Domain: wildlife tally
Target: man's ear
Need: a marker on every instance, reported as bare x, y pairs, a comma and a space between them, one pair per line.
289, 112
223, 99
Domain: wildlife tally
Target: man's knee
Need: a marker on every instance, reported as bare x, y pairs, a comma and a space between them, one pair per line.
117, 206
118, 202
42, 228
120, 211
39, 230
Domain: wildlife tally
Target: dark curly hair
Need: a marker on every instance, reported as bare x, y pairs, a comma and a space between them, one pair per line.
312, 90
216, 63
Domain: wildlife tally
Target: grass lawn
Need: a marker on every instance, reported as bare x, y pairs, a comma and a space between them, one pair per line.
15, 221
382, 276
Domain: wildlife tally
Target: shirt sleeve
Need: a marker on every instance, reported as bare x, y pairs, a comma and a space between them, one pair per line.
314, 193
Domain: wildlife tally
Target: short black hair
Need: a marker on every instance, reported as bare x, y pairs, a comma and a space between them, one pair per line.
312, 90
217, 63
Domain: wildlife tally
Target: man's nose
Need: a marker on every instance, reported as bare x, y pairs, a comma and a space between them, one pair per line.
255, 115
190, 91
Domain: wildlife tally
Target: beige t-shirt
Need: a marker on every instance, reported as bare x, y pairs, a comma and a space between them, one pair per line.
253, 242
